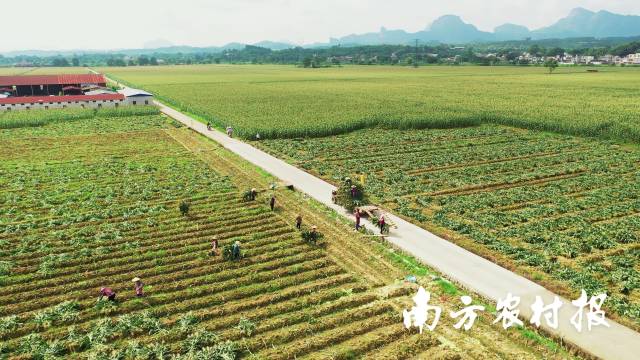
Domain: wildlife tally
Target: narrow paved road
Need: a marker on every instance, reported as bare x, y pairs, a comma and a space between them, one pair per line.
472, 271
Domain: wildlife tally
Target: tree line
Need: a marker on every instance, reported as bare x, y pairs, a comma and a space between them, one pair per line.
482, 54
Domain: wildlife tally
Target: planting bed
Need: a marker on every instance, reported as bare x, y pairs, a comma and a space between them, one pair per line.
561, 210
95, 202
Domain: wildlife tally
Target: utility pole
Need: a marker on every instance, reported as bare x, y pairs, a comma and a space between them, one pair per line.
415, 61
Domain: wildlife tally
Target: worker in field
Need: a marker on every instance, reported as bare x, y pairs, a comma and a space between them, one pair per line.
381, 223
254, 194
299, 222
334, 196
108, 293
235, 250
257, 136
272, 202
209, 126
314, 234
215, 248
137, 285
354, 191
229, 131
358, 216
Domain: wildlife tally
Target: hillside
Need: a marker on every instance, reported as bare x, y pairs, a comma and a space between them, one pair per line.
580, 23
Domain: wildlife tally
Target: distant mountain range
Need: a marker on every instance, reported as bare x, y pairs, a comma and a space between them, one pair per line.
450, 29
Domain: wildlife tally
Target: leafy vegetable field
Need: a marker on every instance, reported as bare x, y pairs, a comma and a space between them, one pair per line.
284, 101
563, 211
95, 202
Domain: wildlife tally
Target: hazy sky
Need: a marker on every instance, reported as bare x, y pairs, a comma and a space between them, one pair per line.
87, 24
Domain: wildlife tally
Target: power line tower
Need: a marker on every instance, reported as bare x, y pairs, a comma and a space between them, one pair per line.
415, 61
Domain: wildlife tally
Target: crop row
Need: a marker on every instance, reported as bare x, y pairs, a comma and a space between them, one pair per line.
530, 201
338, 101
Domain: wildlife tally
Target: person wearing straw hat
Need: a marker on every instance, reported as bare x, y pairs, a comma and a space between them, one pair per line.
235, 250
215, 249
254, 193
137, 283
108, 293
354, 191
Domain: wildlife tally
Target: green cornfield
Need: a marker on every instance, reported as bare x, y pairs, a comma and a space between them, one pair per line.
285, 102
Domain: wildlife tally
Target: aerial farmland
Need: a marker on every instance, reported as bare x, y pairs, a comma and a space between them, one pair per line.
548, 190
337, 180
114, 183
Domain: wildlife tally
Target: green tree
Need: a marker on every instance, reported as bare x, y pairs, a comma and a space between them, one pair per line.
551, 64
536, 50
60, 61
556, 51
75, 61
143, 60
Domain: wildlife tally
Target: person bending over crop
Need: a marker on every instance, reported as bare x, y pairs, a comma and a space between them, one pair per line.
209, 126
137, 284
299, 222
229, 131
108, 293
235, 250
215, 250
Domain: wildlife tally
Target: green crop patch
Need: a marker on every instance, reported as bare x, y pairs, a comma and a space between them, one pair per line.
284, 101
95, 201
543, 204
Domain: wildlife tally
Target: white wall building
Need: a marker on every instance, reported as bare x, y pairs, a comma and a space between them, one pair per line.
61, 102
136, 96
633, 59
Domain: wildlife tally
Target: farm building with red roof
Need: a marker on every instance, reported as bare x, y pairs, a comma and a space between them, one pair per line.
45, 85
61, 91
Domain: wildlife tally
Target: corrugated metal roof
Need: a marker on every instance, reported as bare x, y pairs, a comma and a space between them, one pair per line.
50, 99
129, 92
99, 92
66, 79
